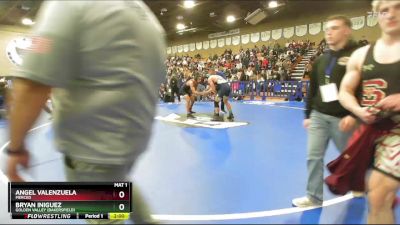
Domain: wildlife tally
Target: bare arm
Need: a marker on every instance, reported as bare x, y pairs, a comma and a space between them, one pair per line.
194, 91
212, 86
208, 90
29, 99
390, 103
350, 83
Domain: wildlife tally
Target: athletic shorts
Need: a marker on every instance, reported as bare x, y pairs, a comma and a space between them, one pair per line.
387, 154
223, 90
187, 90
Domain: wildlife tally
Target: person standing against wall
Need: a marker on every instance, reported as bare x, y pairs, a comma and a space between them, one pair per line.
174, 87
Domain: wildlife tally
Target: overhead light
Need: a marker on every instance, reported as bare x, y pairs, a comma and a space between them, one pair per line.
230, 19
25, 7
272, 4
163, 10
193, 30
27, 21
188, 4
180, 26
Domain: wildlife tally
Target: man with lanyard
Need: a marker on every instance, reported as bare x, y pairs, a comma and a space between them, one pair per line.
325, 118
220, 87
376, 68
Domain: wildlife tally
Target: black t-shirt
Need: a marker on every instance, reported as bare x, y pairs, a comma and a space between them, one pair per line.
174, 82
318, 76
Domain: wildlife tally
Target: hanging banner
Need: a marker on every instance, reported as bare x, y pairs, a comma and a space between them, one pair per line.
277, 34
288, 32
324, 26
224, 33
255, 37
228, 41
245, 38
301, 30
186, 47
372, 19
174, 49
192, 47
266, 35
180, 48
236, 40
199, 45
206, 44
221, 42
213, 43
357, 22
169, 50
314, 28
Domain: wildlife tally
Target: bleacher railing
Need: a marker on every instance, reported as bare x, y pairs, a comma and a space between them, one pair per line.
290, 90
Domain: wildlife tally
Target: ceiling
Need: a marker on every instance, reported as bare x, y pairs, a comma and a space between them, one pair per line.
11, 12
205, 17
208, 16
199, 19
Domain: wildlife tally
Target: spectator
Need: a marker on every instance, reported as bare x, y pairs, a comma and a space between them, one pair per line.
174, 88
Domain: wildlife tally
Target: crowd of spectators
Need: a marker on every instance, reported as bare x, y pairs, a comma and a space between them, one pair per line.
274, 62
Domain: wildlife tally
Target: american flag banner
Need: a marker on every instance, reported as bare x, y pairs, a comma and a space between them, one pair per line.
40, 45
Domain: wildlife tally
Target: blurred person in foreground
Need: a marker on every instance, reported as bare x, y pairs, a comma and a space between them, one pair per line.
375, 69
103, 62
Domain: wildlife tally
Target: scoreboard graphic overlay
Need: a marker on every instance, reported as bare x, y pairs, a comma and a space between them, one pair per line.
69, 200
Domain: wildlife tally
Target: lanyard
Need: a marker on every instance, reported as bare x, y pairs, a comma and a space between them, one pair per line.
329, 69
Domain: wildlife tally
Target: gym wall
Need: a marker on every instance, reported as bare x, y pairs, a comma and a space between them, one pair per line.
8, 33
361, 8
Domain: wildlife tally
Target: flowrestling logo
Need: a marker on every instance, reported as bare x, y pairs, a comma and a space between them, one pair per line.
258, 103
200, 120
